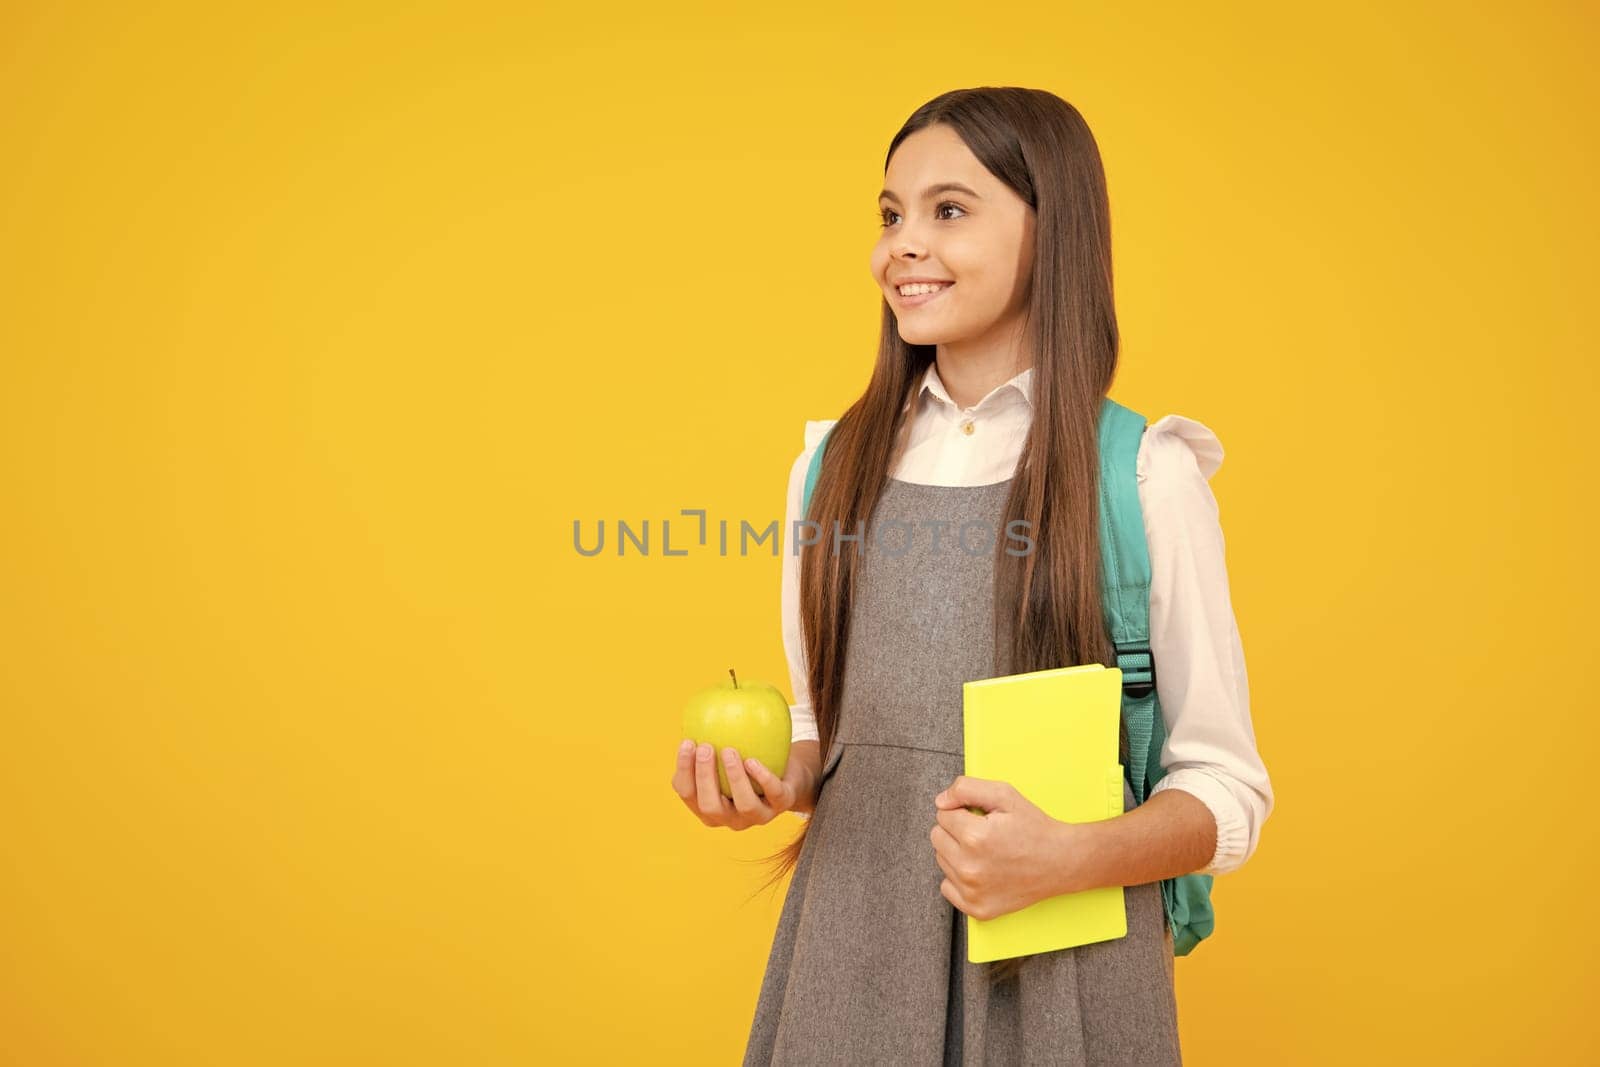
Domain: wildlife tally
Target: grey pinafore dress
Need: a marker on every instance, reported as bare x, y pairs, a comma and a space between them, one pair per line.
869, 961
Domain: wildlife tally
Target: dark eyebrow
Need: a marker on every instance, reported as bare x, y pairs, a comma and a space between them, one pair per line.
933, 190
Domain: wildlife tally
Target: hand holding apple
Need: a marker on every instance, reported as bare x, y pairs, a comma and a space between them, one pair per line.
752, 719
710, 772
695, 782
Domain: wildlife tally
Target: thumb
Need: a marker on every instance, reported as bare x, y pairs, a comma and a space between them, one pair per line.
985, 793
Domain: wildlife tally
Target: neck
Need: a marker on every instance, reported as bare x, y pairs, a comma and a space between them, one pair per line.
971, 370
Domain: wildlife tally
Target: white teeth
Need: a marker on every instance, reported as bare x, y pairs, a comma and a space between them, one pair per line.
923, 287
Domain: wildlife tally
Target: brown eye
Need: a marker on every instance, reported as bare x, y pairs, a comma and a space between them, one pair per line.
884, 213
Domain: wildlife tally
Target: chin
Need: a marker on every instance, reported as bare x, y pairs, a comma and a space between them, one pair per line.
916, 334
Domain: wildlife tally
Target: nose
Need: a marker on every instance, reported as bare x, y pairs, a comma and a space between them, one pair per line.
907, 246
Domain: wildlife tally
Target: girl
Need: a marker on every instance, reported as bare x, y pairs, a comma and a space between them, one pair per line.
999, 345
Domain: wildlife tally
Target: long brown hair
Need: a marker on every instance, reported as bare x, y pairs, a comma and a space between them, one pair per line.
1047, 602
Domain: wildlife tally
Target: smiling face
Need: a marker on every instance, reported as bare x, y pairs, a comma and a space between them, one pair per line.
946, 217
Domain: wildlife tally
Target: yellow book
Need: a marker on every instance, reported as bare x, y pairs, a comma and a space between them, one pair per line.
1053, 735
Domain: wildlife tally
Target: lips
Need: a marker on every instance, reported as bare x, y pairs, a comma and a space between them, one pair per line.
921, 298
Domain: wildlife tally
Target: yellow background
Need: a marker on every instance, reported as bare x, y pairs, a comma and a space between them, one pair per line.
318, 329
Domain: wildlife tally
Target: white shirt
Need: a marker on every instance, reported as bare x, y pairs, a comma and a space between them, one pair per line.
1210, 749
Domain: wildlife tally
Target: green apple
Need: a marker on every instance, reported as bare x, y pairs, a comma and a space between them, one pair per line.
751, 718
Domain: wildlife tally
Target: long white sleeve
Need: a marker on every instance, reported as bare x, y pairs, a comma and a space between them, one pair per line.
1210, 750
803, 721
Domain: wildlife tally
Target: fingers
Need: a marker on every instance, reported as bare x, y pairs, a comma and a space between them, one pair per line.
945, 865
683, 773
696, 782
744, 794
947, 851
953, 895
709, 801
779, 794
957, 824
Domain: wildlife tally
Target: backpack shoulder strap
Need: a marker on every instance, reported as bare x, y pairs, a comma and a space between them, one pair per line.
813, 470
1125, 580
1125, 584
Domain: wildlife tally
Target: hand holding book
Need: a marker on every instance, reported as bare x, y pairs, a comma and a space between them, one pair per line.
1005, 858
1041, 750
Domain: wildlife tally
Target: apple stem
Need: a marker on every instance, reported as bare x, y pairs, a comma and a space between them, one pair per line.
735, 677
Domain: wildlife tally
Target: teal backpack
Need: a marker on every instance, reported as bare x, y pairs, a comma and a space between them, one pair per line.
1125, 579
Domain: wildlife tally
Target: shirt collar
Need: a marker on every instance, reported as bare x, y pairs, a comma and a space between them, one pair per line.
932, 386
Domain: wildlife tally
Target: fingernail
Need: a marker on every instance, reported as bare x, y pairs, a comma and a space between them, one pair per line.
688, 744
730, 757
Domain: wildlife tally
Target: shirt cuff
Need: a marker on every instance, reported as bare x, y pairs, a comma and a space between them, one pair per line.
1232, 830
